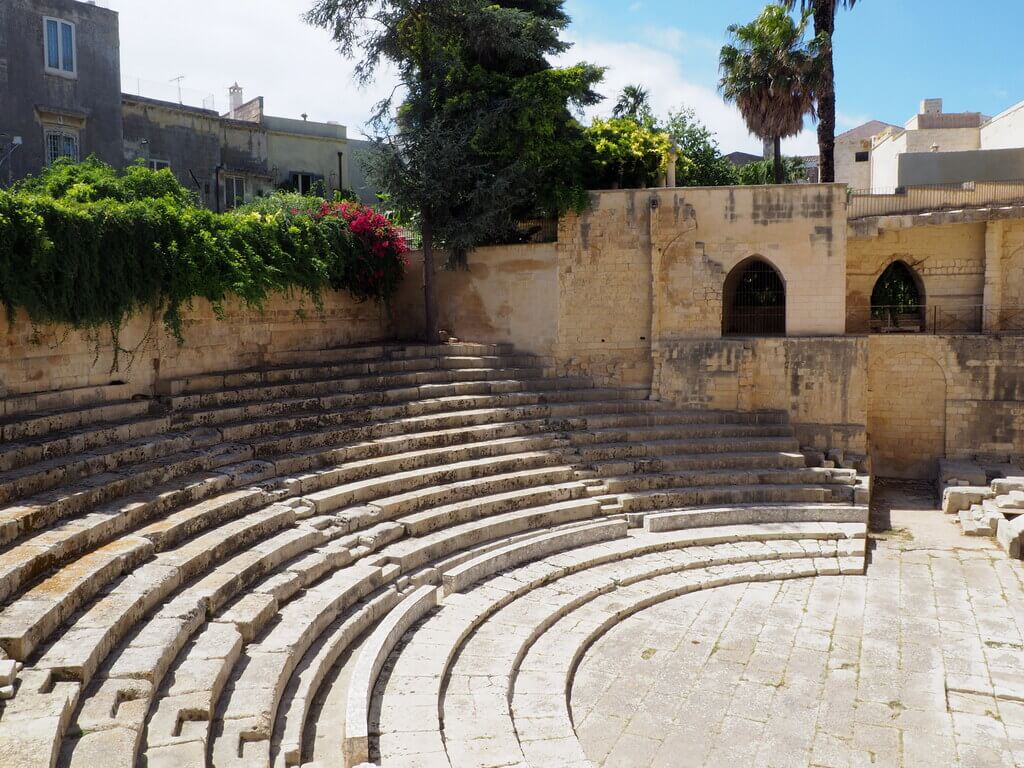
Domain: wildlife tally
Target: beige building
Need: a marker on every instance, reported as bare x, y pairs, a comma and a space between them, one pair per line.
301, 153
231, 159
853, 154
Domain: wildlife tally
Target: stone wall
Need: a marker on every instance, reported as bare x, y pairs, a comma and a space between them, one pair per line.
906, 400
506, 294
949, 260
701, 235
604, 288
1004, 276
47, 358
952, 396
820, 382
643, 268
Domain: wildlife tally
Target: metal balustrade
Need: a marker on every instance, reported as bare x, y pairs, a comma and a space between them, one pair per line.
936, 319
934, 197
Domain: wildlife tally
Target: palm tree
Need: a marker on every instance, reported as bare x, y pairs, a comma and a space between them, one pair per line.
824, 13
634, 103
769, 72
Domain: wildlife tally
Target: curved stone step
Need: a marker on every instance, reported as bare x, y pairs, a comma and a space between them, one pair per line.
677, 462
644, 501
539, 693
43, 510
58, 443
34, 415
652, 481
461, 613
286, 749
459, 578
249, 704
148, 655
413, 480
681, 519
369, 664
390, 507
591, 449
66, 470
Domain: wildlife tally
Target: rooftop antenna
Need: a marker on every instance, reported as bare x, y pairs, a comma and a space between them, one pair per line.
178, 80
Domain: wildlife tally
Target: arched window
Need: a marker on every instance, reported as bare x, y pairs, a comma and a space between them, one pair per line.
754, 300
897, 301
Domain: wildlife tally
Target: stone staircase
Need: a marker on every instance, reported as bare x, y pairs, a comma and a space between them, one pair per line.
289, 565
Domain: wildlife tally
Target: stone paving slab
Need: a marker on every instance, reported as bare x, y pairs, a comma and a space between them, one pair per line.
918, 664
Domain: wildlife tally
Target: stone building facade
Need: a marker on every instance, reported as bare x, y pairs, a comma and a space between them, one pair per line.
934, 147
233, 158
60, 96
60, 84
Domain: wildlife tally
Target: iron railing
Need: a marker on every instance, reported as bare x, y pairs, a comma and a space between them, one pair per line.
936, 319
538, 230
935, 197
755, 321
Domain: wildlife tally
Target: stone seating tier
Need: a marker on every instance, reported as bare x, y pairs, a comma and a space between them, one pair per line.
313, 562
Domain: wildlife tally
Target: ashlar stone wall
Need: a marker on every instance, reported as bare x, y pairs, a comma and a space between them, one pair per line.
820, 382
48, 358
953, 396
948, 259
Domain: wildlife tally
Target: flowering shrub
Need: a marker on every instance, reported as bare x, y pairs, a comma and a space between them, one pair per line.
375, 251
86, 246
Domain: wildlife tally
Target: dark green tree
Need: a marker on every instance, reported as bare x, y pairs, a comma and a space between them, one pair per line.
700, 163
485, 133
824, 13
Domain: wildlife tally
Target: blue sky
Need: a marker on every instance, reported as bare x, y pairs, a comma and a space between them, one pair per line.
890, 55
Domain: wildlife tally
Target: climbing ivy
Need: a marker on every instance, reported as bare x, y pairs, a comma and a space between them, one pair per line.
87, 246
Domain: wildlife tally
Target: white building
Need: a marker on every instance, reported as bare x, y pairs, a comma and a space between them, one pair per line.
933, 147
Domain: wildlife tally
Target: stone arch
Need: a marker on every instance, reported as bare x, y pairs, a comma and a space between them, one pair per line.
754, 300
898, 299
906, 414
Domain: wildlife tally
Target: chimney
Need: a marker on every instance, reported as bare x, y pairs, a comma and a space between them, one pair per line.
931, 107
234, 99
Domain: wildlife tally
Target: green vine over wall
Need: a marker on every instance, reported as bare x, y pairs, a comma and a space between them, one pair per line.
86, 246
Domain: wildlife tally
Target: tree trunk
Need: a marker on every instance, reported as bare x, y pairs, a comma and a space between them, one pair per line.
430, 329
780, 168
825, 22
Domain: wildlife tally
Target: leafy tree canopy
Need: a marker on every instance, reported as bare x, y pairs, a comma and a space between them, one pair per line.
485, 134
700, 163
770, 73
626, 153
763, 172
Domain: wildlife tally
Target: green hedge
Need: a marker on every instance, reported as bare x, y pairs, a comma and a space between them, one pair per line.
86, 246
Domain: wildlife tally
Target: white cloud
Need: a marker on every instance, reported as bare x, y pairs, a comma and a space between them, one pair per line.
271, 52
662, 74
679, 40
266, 47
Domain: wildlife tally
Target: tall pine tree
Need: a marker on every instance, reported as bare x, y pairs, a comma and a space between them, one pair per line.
485, 132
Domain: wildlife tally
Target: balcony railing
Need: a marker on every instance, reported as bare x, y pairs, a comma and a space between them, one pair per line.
936, 319
937, 197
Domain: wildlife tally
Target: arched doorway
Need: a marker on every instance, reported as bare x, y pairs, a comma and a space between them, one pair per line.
754, 300
897, 301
